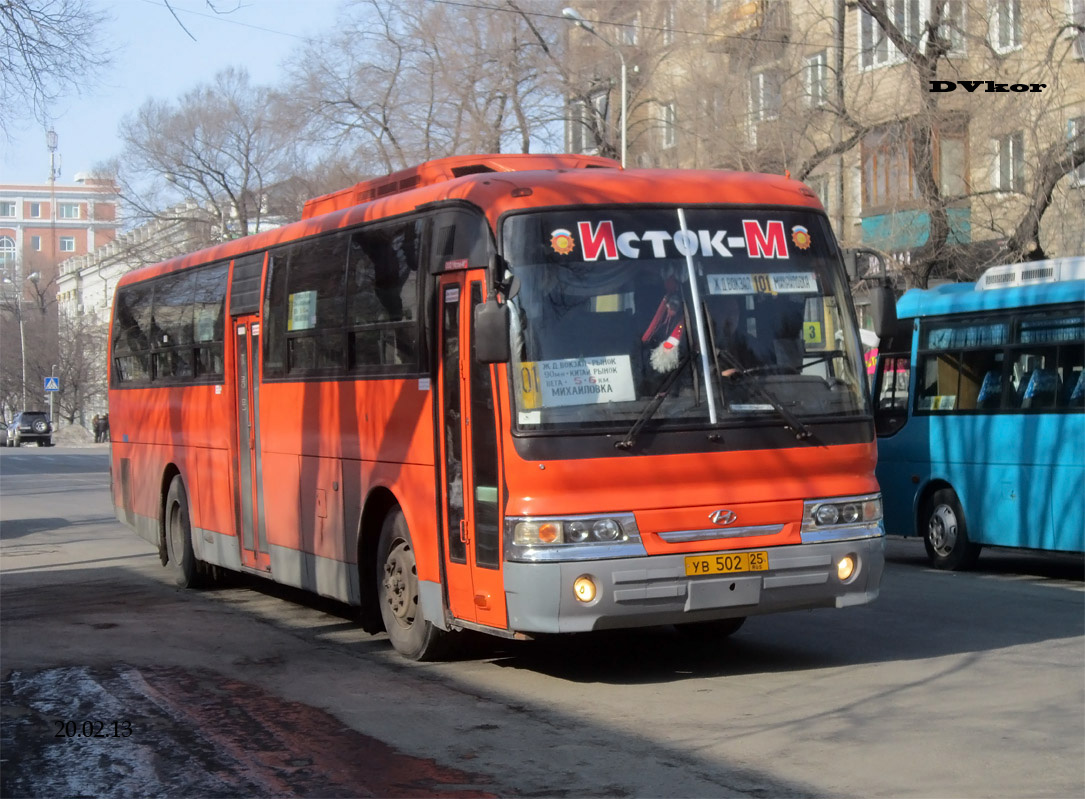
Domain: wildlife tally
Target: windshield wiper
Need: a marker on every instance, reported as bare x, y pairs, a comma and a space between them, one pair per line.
736, 372
651, 408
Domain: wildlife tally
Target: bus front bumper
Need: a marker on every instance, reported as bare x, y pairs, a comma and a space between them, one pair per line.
655, 590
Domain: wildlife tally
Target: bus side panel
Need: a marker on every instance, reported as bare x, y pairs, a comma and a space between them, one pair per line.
185, 427
1014, 475
215, 509
326, 445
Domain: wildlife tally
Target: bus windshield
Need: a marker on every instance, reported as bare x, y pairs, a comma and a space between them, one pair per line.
679, 318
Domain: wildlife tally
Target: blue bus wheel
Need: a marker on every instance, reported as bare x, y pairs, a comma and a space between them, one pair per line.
945, 533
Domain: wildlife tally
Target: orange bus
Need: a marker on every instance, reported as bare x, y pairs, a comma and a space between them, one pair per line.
516, 394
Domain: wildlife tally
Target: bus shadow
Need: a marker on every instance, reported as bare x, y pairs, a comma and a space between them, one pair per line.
921, 614
1021, 563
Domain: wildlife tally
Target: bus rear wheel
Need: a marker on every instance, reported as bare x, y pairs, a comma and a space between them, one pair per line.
181, 558
397, 594
945, 534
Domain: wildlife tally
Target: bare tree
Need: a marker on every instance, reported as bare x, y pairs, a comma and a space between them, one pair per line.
220, 153
404, 82
48, 48
82, 367
27, 314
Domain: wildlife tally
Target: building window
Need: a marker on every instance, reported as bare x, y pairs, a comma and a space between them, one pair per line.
35, 210
1005, 25
68, 210
765, 96
952, 27
668, 26
67, 243
1076, 128
670, 118
7, 256
889, 166
888, 175
952, 165
875, 49
582, 138
816, 79
821, 187
627, 31
7, 208
35, 243
1077, 19
1009, 165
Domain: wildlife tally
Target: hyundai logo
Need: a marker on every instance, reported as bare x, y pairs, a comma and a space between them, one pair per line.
722, 517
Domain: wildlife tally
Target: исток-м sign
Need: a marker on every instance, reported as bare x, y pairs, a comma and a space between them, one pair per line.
990, 86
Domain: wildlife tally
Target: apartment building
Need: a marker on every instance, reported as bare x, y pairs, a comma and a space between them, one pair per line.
44, 224
934, 131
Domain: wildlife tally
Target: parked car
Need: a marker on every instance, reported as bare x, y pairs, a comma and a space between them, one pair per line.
29, 426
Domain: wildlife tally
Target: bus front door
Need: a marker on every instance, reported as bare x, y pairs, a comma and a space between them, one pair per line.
254, 551
469, 460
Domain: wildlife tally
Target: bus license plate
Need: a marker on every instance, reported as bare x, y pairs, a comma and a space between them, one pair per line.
697, 565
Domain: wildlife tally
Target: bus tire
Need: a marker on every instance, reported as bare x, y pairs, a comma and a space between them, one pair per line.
716, 630
945, 534
181, 559
397, 594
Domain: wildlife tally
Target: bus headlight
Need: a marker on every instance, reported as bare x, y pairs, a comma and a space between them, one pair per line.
572, 538
820, 513
841, 518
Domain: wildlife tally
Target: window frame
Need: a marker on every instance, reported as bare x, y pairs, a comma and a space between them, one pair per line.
998, 9
1008, 164
669, 132
816, 79
765, 84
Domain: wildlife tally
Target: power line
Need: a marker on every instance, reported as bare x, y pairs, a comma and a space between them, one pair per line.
223, 17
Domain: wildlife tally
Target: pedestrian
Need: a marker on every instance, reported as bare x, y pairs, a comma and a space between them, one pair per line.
96, 426
105, 429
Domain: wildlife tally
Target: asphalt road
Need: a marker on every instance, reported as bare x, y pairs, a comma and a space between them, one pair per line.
115, 683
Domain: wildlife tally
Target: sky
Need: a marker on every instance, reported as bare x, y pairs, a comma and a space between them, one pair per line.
153, 56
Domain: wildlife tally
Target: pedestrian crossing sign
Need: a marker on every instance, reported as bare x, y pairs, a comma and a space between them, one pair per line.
52, 384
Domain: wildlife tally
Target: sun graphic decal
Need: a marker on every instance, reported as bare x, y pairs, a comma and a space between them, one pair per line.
801, 237
562, 241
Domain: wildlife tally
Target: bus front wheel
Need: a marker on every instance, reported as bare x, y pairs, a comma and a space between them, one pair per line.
397, 594
181, 558
945, 533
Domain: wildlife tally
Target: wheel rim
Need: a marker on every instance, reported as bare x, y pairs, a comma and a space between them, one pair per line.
398, 584
942, 530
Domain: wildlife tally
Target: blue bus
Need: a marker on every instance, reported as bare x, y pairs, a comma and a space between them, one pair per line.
980, 413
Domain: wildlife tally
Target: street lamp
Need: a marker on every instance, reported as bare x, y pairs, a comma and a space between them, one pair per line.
577, 19
33, 278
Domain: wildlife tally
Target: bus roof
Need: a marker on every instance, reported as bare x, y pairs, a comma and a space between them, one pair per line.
501, 183
1011, 286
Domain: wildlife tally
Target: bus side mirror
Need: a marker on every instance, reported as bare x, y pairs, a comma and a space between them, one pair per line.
492, 332
883, 310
